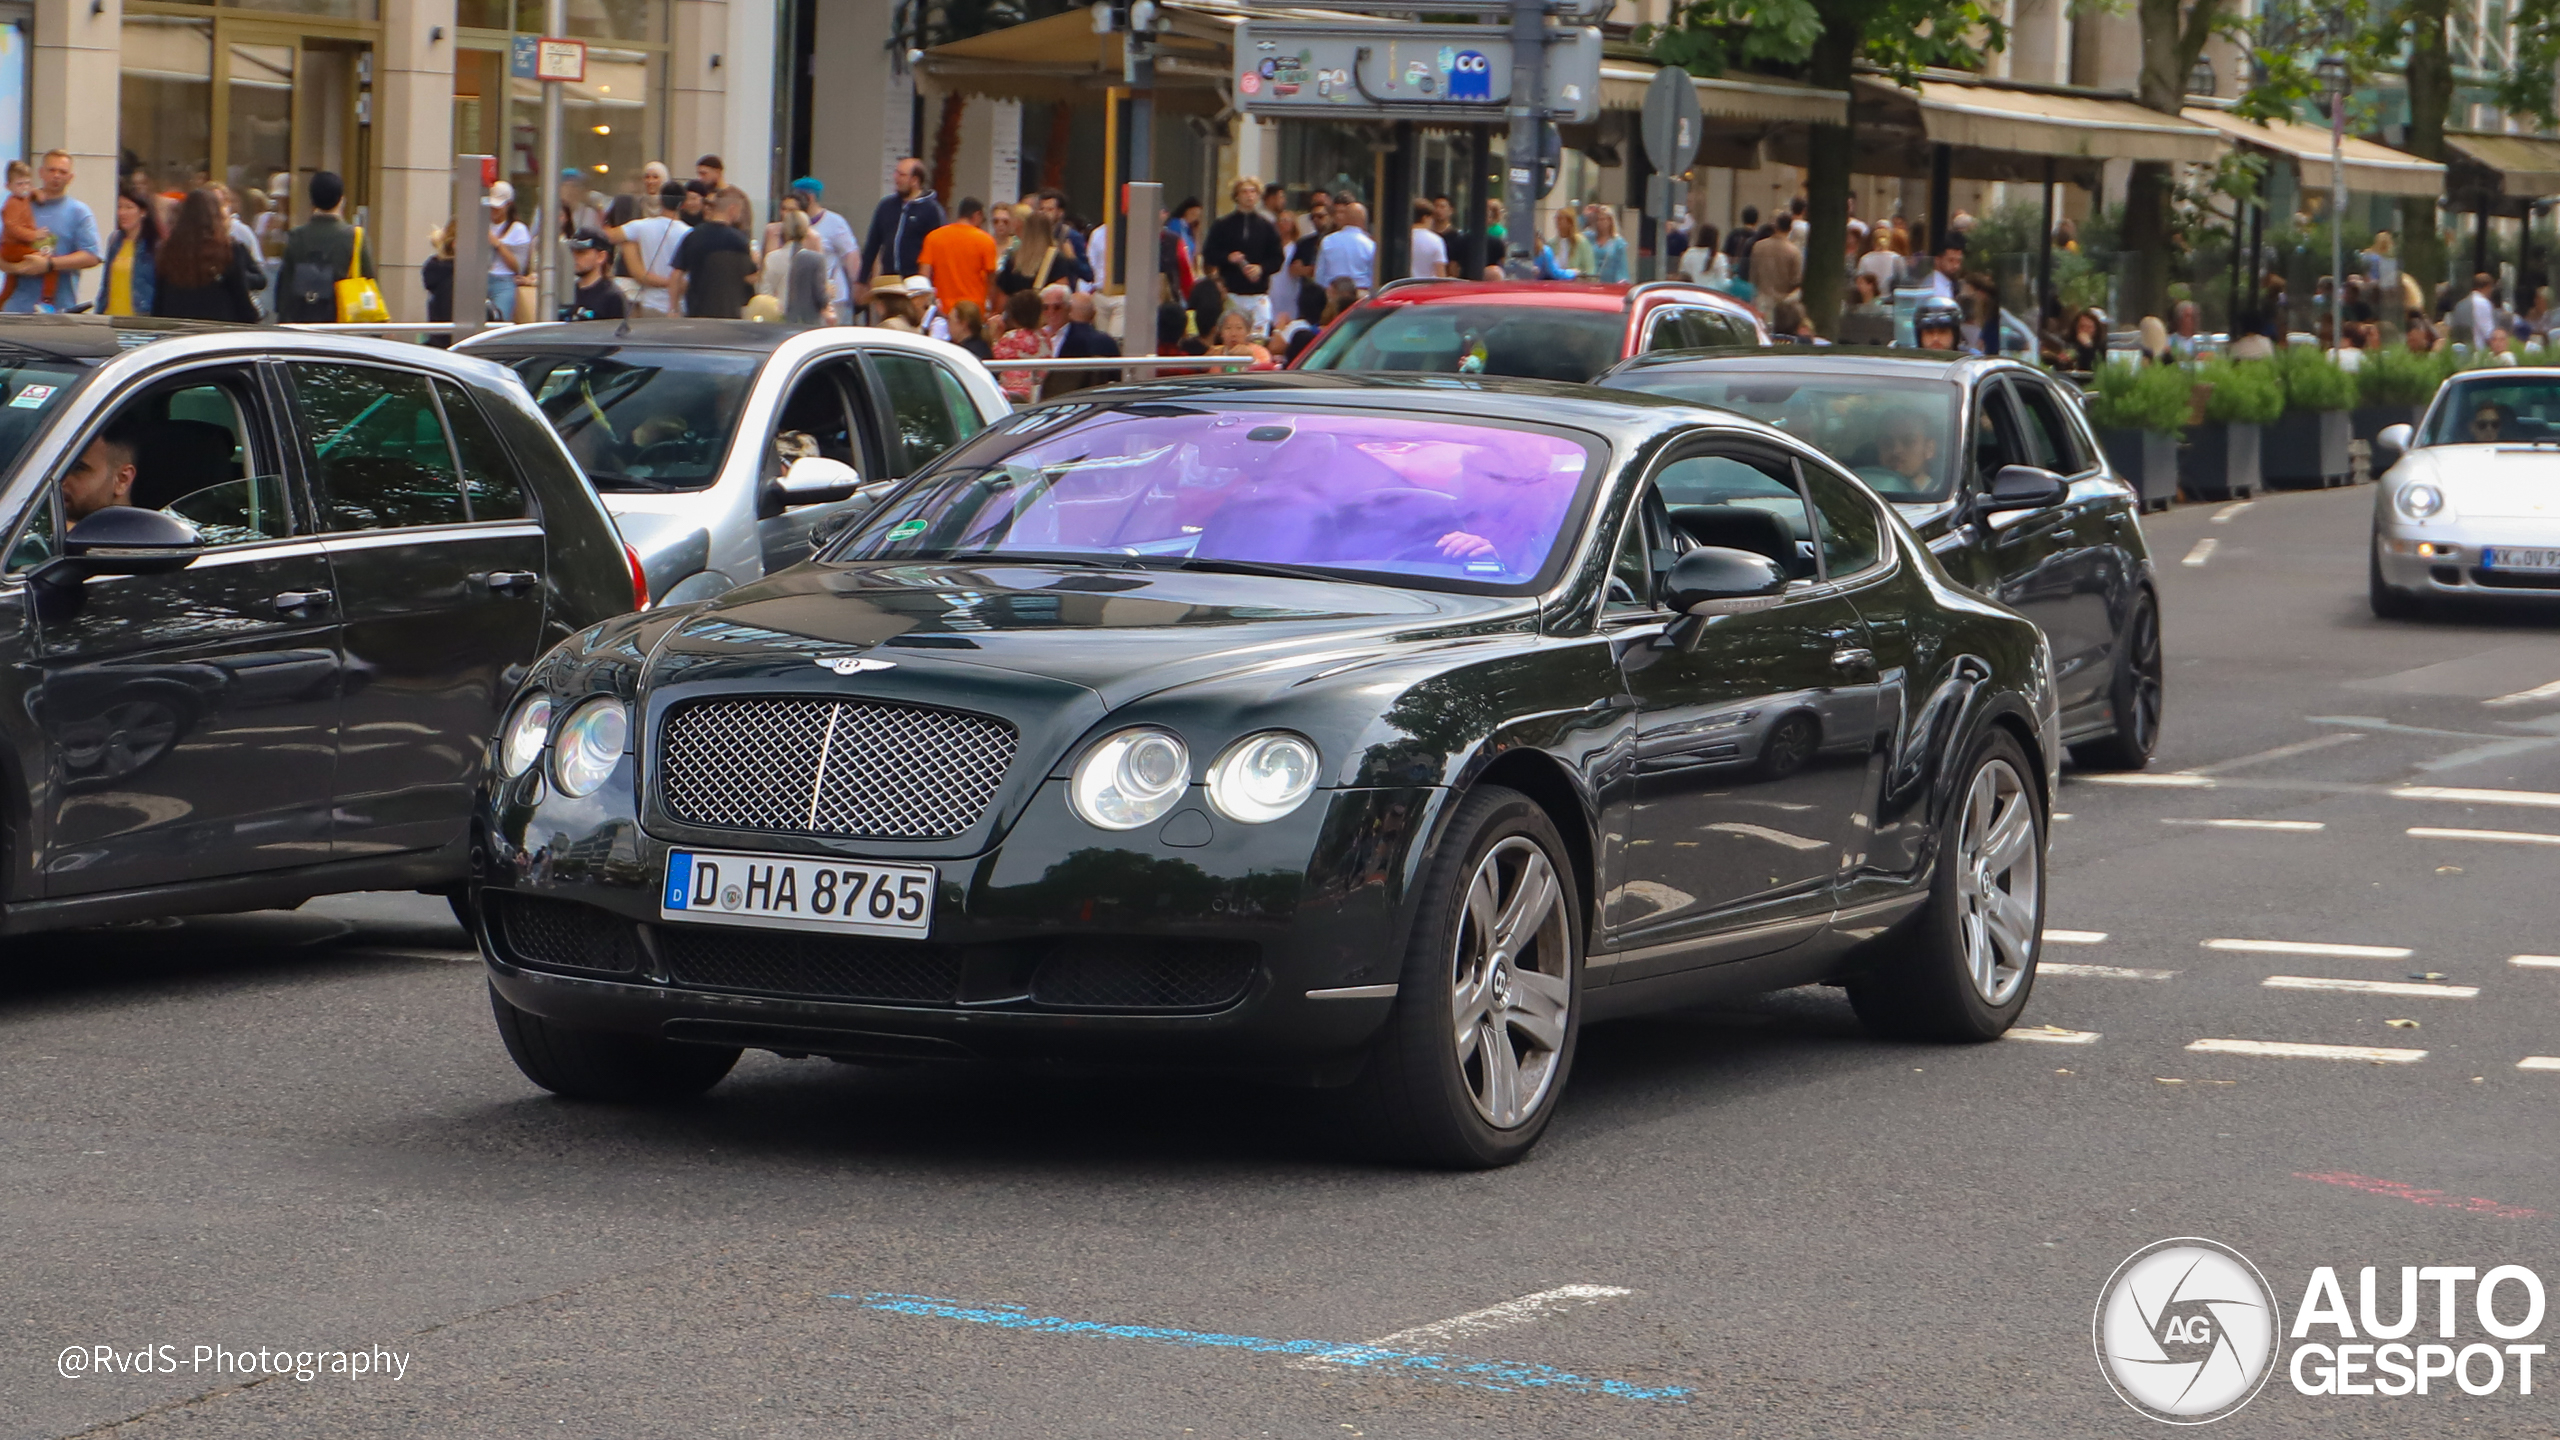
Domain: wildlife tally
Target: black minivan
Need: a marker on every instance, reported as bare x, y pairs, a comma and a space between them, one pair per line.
265, 596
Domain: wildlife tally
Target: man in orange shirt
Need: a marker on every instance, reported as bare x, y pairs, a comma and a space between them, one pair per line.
960, 258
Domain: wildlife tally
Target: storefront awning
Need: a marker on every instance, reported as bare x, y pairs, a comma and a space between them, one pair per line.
1727, 97
2371, 169
2059, 125
2518, 167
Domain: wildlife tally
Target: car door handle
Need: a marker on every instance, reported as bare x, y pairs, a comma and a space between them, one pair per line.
1853, 659
303, 602
509, 582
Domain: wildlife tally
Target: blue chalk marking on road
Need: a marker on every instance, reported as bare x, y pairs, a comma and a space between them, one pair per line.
1510, 1376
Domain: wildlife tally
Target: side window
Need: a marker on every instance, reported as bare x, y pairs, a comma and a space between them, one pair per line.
1670, 330
187, 449
2048, 430
1996, 441
497, 492
382, 458
814, 422
1852, 534
1741, 501
35, 543
1631, 571
922, 423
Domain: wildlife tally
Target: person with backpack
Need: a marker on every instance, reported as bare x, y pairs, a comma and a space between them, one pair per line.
320, 252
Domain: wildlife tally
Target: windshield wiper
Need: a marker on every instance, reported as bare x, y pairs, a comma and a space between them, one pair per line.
1214, 565
1082, 558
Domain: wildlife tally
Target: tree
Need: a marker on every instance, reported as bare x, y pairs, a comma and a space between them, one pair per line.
1824, 42
2174, 33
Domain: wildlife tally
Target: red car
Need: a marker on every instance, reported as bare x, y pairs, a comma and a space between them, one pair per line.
1538, 329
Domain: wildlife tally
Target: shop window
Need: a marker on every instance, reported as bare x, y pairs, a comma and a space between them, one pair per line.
167, 99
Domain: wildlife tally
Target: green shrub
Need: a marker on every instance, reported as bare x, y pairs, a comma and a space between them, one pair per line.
2393, 376
2312, 382
2246, 392
2141, 397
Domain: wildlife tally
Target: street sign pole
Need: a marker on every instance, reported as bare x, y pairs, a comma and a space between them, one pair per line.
1527, 113
546, 226
470, 224
1671, 127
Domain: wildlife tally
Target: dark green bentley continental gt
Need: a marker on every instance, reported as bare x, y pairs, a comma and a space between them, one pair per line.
1374, 735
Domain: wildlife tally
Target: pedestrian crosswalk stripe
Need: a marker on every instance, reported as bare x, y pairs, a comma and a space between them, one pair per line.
2550, 691
2539, 1062
2312, 947
2288, 826
2535, 962
2076, 937
2293, 1050
2052, 1035
2102, 972
2474, 797
2371, 987
2502, 837
2170, 779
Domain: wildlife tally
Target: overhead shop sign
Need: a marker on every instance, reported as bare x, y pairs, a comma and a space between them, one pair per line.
1450, 74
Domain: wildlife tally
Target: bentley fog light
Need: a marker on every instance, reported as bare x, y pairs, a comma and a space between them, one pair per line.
528, 730
590, 746
1130, 779
1263, 777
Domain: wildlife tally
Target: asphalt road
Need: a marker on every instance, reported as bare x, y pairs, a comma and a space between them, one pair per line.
300, 1132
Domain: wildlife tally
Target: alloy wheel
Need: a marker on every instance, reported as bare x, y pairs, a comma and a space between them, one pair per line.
2144, 722
1997, 882
1513, 982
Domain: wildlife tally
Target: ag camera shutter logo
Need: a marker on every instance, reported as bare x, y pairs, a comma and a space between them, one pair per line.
2186, 1331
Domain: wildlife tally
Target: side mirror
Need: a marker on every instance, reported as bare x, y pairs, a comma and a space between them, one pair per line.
1723, 579
119, 540
810, 480
2390, 445
2023, 487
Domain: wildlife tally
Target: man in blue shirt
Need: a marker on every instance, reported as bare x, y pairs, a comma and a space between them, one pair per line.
1348, 251
75, 238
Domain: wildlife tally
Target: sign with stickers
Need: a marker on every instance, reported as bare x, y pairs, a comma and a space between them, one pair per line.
31, 397
1433, 73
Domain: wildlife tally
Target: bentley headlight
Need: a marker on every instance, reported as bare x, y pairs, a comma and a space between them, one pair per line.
1263, 777
590, 745
2421, 501
528, 730
1130, 779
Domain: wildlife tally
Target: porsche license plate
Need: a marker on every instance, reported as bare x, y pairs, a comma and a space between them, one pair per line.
795, 892
2513, 557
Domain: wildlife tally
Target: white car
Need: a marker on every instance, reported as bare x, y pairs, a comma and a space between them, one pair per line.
720, 446
2469, 502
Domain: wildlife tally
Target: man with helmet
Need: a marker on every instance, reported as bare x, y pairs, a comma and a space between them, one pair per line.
1938, 324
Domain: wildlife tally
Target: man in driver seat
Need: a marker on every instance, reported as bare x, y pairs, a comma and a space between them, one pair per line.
103, 476
1906, 446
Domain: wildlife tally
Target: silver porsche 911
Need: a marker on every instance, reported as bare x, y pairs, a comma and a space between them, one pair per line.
2469, 502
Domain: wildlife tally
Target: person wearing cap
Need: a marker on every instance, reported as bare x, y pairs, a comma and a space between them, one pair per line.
649, 248
835, 241
596, 297
510, 249
317, 254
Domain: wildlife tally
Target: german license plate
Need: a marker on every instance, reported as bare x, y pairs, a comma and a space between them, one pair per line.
795, 892
2511, 557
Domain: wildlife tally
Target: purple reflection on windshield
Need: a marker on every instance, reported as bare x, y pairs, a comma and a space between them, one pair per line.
1350, 491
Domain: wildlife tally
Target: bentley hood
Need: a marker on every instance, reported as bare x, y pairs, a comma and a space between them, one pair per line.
2490, 482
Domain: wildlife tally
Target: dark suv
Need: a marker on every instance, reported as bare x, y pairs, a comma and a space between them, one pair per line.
265, 595
1535, 329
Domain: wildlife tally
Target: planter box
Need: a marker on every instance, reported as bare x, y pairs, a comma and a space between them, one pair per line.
2220, 462
2307, 450
2369, 420
2145, 460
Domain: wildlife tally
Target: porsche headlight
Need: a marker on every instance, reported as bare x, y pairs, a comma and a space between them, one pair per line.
1130, 779
1263, 777
2421, 501
528, 730
590, 745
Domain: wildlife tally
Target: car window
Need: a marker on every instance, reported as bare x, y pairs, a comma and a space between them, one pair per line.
1714, 327
1535, 342
1852, 534
814, 420
1898, 434
496, 490
1631, 571
924, 421
640, 417
382, 458
1670, 330
1995, 436
194, 455
1742, 501
2049, 436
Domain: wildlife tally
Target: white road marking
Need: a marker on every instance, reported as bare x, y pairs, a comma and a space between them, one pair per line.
2535, 962
2539, 1062
2504, 837
2371, 987
2203, 551
2476, 797
2311, 947
2052, 1035
2223, 515
2290, 827
1501, 1317
2291, 1050
2167, 779
2076, 937
2281, 752
2527, 697
2102, 972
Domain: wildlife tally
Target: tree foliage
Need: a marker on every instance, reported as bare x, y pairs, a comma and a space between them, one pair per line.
1904, 37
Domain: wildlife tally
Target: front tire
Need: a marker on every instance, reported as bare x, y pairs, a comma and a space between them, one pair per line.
1963, 968
2136, 695
584, 1064
1489, 1000
2389, 601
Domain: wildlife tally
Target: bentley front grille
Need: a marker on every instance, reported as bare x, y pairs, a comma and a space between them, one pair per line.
854, 768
